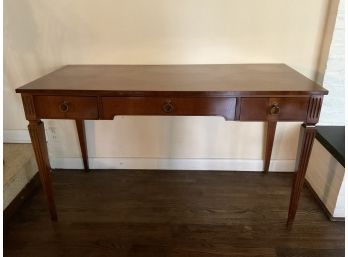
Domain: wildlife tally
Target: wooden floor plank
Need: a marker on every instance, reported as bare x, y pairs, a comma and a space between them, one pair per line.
172, 213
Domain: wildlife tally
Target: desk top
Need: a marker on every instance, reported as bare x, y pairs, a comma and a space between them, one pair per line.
195, 80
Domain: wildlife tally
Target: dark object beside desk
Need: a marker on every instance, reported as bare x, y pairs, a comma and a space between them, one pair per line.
239, 92
332, 138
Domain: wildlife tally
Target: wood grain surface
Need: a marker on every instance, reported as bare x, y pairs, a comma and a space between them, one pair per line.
192, 80
172, 213
198, 106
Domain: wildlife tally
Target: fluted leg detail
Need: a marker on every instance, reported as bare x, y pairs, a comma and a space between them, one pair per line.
38, 139
307, 135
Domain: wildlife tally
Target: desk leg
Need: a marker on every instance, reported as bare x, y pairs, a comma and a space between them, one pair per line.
80, 125
307, 135
271, 128
38, 139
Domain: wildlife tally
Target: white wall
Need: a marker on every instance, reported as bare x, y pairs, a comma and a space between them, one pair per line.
42, 35
333, 106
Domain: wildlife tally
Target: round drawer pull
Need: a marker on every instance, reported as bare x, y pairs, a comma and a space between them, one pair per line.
274, 109
168, 107
64, 106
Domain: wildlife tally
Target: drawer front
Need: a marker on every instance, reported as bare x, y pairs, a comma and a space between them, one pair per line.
214, 106
279, 108
66, 107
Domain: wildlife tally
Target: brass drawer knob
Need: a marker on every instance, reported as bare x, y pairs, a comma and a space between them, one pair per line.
274, 109
168, 107
64, 107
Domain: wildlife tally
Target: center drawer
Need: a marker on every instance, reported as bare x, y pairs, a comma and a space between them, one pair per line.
189, 106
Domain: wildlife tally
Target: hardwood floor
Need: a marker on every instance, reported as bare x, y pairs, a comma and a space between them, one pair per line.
172, 213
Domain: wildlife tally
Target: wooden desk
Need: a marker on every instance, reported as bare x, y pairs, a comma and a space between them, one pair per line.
238, 92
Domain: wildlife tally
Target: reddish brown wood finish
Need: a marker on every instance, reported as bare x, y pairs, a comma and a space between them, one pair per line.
253, 108
66, 107
271, 129
175, 80
212, 106
38, 139
80, 126
247, 92
314, 108
290, 108
307, 135
29, 108
259, 109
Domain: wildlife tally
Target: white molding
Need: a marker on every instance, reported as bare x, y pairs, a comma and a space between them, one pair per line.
22, 136
339, 213
16, 136
172, 164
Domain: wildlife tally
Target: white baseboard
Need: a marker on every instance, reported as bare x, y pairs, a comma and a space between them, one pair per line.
16, 136
339, 213
22, 136
172, 164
